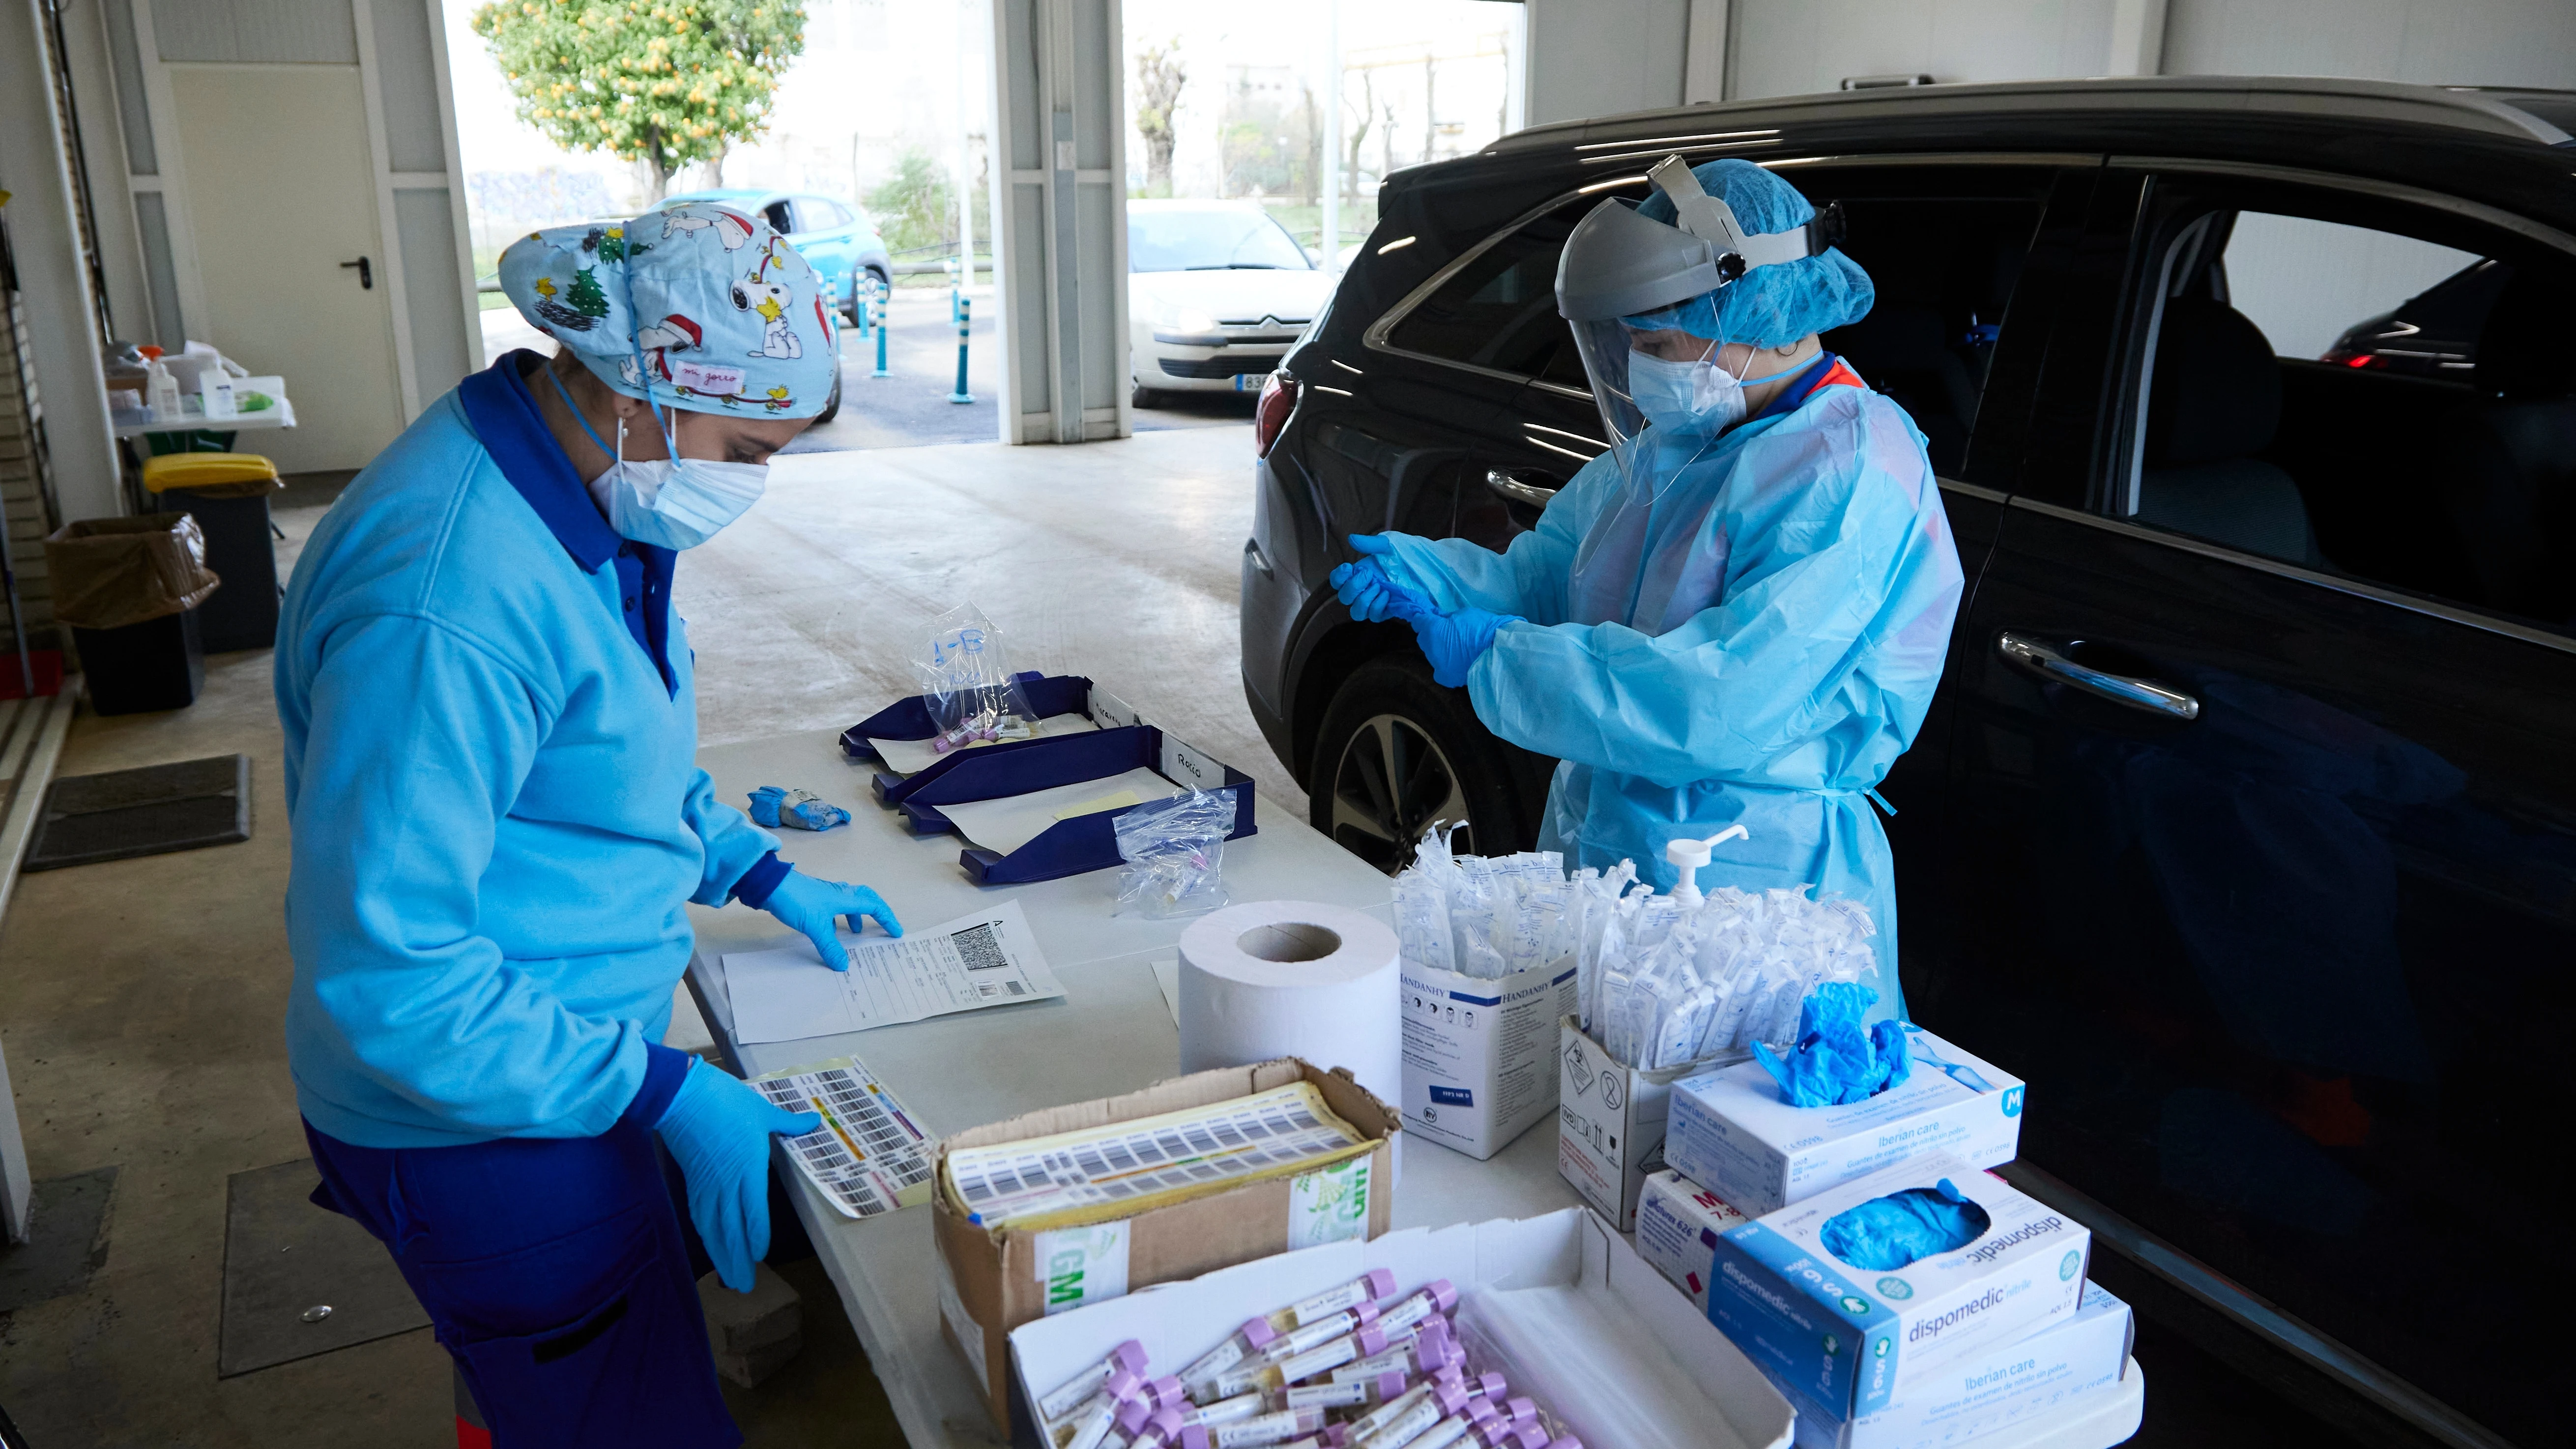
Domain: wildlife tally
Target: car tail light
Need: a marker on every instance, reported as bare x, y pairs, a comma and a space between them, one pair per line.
2346, 358
1278, 400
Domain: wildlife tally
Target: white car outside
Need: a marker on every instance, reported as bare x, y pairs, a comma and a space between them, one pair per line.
1216, 293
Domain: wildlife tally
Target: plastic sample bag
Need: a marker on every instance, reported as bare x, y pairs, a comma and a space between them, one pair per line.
1175, 854
967, 682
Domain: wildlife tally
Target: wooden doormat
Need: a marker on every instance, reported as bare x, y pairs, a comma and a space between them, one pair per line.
150, 811
285, 1260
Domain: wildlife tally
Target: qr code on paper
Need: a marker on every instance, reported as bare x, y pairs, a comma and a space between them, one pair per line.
981, 948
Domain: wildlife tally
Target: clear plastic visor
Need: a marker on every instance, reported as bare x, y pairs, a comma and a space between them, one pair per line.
1607, 349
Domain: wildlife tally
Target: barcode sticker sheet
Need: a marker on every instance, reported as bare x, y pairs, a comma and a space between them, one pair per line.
1128, 1162
987, 959
871, 1155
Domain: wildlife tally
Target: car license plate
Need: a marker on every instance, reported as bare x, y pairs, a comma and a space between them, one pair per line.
1246, 382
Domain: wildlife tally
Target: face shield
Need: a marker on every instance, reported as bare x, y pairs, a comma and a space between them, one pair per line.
1644, 299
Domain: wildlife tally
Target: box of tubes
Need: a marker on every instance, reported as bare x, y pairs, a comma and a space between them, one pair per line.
1610, 1122
1538, 1333
1731, 1133
1856, 1295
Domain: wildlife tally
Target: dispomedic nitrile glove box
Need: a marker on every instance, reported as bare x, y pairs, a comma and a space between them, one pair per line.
2079, 1356
1855, 1340
1730, 1132
1677, 1226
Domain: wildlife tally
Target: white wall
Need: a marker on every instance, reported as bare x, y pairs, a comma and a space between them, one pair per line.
1603, 57
1792, 47
2439, 42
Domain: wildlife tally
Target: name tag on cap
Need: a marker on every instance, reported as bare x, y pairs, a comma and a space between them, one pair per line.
701, 377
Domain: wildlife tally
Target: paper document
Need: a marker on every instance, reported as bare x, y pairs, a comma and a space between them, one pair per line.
911, 757
871, 1156
1126, 1167
1004, 825
786, 993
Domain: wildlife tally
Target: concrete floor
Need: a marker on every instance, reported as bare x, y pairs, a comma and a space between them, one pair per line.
143, 1001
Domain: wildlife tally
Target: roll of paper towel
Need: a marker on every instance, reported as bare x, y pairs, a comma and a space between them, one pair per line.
1293, 979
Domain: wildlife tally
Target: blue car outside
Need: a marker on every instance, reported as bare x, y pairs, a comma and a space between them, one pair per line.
833, 234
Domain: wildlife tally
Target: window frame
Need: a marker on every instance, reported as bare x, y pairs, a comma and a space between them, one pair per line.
2119, 444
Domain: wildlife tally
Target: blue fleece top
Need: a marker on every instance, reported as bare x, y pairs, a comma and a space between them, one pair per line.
491, 732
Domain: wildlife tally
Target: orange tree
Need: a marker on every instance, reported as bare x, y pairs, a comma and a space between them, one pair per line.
664, 82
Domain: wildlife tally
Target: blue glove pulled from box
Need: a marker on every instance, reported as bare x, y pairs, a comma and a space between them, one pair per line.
1887, 1233
1835, 1062
774, 807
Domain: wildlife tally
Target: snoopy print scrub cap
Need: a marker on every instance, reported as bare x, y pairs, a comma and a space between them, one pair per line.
696, 306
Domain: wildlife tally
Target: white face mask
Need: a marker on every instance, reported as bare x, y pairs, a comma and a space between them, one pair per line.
1698, 396
672, 502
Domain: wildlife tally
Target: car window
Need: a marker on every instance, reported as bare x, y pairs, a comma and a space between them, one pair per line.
777, 216
1212, 240
2371, 391
1944, 268
1944, 251
820, 213
1499, 310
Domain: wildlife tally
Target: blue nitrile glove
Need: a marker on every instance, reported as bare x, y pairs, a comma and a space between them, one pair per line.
1370, 591
1452, 642
774, 807
815, 906
1886, 1233
718, 1130
1836, 1063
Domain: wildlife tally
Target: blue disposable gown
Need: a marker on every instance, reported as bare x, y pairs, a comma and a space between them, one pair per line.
497, 810
1753, 639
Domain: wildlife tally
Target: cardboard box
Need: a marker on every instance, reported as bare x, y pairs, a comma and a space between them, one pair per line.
1610, 1122
1731, 1133
1722, 1401
993, 1280
2070, 1363
1480, 1055
1678, 1222
1856, 1341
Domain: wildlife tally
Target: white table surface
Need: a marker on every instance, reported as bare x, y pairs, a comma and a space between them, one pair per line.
1110, 1033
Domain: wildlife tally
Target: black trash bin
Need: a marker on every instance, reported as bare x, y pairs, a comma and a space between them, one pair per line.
157, 664
228, 493
128, 589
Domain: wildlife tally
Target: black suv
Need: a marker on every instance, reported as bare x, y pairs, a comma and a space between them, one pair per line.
2244, 823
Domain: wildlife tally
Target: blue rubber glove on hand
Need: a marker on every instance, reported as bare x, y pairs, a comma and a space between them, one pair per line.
1453, 642
815, 906
718, 1130
1370, 591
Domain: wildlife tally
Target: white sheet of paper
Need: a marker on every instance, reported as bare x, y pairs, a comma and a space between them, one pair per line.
911, 757
989, 958
1005, 825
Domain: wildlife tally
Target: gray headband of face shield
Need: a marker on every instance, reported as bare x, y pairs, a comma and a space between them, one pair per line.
1617, 263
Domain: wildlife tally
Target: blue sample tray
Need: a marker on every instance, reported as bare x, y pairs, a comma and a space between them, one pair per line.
909, 719
1085, 842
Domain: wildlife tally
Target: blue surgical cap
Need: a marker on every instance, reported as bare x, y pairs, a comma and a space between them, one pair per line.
696, 306
1769, 306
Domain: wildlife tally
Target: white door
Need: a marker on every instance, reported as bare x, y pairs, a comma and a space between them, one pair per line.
281, 192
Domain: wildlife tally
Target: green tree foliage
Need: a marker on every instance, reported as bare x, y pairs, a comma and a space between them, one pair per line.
664, 82
915, 208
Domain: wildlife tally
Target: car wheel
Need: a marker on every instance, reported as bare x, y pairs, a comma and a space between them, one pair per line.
832, 404
1397, 753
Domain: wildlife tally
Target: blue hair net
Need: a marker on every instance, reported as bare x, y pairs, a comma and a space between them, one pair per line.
1769, 306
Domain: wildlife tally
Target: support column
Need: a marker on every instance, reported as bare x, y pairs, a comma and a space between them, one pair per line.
1060, 218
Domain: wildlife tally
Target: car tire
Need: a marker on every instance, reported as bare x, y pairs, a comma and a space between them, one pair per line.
832, 404
1141, 396
1397, 752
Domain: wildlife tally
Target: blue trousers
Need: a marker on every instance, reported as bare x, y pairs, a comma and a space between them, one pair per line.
554, 1271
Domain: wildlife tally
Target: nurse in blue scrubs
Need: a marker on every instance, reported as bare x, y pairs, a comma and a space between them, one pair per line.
498, 819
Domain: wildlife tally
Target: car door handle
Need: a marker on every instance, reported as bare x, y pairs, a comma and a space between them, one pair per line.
1516, 485
2048, 663
366, 273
